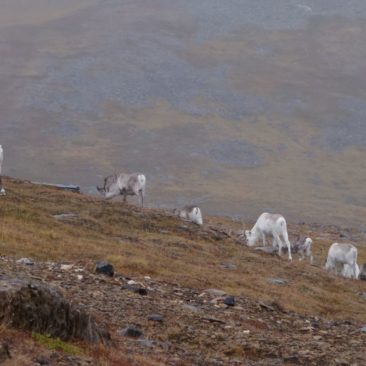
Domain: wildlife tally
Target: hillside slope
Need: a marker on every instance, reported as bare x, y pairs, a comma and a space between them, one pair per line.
270, 324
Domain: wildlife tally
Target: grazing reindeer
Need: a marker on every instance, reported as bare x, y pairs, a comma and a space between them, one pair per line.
346, 255
2, 190
124, 184
269, 224
190, 213
303, 247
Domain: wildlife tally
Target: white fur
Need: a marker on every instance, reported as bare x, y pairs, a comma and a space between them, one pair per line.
191, 213
304, 249
346, 255
2, 190
124, 184
269, 224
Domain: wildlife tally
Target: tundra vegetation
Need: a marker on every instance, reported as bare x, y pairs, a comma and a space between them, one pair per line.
152, 243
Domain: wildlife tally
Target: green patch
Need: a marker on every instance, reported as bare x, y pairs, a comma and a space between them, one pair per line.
57, 344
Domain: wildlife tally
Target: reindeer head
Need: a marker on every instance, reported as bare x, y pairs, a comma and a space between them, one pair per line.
101, 190
250, 238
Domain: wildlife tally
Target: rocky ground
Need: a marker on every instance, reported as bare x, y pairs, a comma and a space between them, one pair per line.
180, 294
176, 325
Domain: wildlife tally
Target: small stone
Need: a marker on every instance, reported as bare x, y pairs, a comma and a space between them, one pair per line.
104, 268
141, 291
137, 290
155, 317
65, 216
229, 300
66, 267
147, 278
25, 261
246, 331
215, 292
79, 277
42, 360
131, 282
131, 331
146, 343
229, 266
278, 281
192, 308
363, 329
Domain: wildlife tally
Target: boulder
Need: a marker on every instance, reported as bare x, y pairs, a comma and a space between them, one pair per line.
131, 331
104, 268
38, 307
229, 300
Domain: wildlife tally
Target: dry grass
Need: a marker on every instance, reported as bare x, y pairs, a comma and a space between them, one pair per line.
150, 242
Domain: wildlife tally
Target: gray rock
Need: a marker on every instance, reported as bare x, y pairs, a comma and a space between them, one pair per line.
192, 308
362, 275
215, 292
25, 261
131, 331
363, 329
155, 317
229, 300
104, 268
65, 216
228, 266
146, 343
41, 308
42, 360
278, 281
136, 289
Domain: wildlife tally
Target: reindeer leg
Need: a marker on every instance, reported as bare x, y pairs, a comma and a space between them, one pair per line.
264, 239
141, 193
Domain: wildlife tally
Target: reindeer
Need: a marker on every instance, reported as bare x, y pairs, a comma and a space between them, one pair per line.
346, 255
124, 184
190, 213
303, 247
269, 224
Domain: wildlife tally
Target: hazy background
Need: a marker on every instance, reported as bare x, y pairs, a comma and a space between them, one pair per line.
241, 106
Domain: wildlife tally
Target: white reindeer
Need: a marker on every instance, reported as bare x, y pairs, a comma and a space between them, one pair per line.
270, 224
190, 213
2, 190
344, 254
124, 184
304, 249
